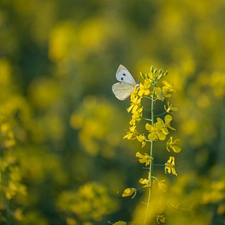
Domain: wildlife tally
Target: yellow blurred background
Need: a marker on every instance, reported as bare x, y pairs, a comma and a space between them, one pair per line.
63, 159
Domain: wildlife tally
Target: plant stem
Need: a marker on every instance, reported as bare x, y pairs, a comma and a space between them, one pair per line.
151, 153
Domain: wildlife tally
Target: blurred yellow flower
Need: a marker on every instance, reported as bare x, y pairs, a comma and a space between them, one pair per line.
221, 209
162, 186
6, 71
18, 214
71, 221
91, 201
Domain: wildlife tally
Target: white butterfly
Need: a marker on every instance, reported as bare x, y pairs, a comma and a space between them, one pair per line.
126, 85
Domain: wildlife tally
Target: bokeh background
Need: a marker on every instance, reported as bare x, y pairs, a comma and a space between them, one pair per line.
63, 157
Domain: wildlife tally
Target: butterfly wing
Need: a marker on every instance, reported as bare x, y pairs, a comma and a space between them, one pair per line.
123, 75
122, 90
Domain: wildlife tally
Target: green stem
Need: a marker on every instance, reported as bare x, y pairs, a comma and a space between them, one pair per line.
151, 153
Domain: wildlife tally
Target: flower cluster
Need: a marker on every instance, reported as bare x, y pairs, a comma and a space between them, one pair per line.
159, 130
156, 130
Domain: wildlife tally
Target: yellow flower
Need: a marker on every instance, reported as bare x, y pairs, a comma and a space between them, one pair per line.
145, 182
131, 135
144, 158
136, 117
129, 191
141, 138
159, 129
166, 89
152, 132
170, 108
171, 145
144, 89
135, 103
169, 166
168, 119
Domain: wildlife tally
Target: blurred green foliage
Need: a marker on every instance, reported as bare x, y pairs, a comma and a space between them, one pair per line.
63, 159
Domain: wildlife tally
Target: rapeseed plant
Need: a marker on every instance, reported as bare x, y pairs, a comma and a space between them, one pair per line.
155, 89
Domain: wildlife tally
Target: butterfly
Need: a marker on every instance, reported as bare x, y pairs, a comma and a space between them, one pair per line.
126, 84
